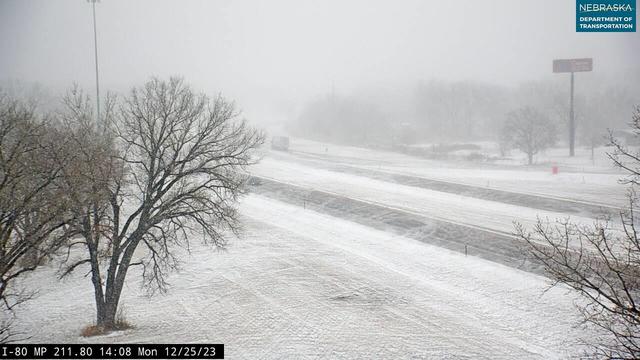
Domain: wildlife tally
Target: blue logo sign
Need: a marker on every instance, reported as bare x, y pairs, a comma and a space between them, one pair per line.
606, 15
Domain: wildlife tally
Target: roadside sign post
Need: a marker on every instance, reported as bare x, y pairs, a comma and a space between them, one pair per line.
572, 66
572, 122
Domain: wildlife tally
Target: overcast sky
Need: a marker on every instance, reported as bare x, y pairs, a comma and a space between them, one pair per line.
271, 54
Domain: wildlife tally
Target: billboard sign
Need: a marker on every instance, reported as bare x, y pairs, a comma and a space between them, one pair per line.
572, 65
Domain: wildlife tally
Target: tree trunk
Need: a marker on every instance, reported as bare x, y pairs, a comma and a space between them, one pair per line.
530, 156
115, 283
107, 308
96, 278
97, 289
107, 319
107, 313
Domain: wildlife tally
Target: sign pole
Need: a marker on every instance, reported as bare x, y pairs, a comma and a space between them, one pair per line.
572, 123
572, 66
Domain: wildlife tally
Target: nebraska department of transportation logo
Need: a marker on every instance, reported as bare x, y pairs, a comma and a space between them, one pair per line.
606, 15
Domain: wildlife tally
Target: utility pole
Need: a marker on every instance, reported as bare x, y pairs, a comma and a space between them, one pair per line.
95, 48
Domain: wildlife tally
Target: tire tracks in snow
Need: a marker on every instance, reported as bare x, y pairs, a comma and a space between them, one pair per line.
536, 201
482, 242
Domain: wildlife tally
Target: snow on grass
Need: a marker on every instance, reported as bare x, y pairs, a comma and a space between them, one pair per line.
299, 284
578, 179
465, 210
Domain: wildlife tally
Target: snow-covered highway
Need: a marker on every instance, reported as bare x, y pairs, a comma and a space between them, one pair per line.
300, 284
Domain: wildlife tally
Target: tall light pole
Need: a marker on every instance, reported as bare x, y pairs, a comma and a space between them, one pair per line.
95, 47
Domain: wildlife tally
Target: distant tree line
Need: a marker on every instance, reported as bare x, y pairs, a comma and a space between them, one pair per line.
441, 111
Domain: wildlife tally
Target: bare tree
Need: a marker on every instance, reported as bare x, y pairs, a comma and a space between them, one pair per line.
627, 158
32, 206
529, 131
171, 168
602, 265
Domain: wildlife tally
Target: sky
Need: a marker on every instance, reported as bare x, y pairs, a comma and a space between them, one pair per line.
271, 56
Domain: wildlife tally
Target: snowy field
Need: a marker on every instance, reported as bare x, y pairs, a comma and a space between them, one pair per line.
299, 284
440, 205
578, 178
311, 165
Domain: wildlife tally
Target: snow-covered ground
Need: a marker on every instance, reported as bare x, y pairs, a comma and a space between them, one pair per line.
299, 284
303, 284
450, 207
583, 159
578, 178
